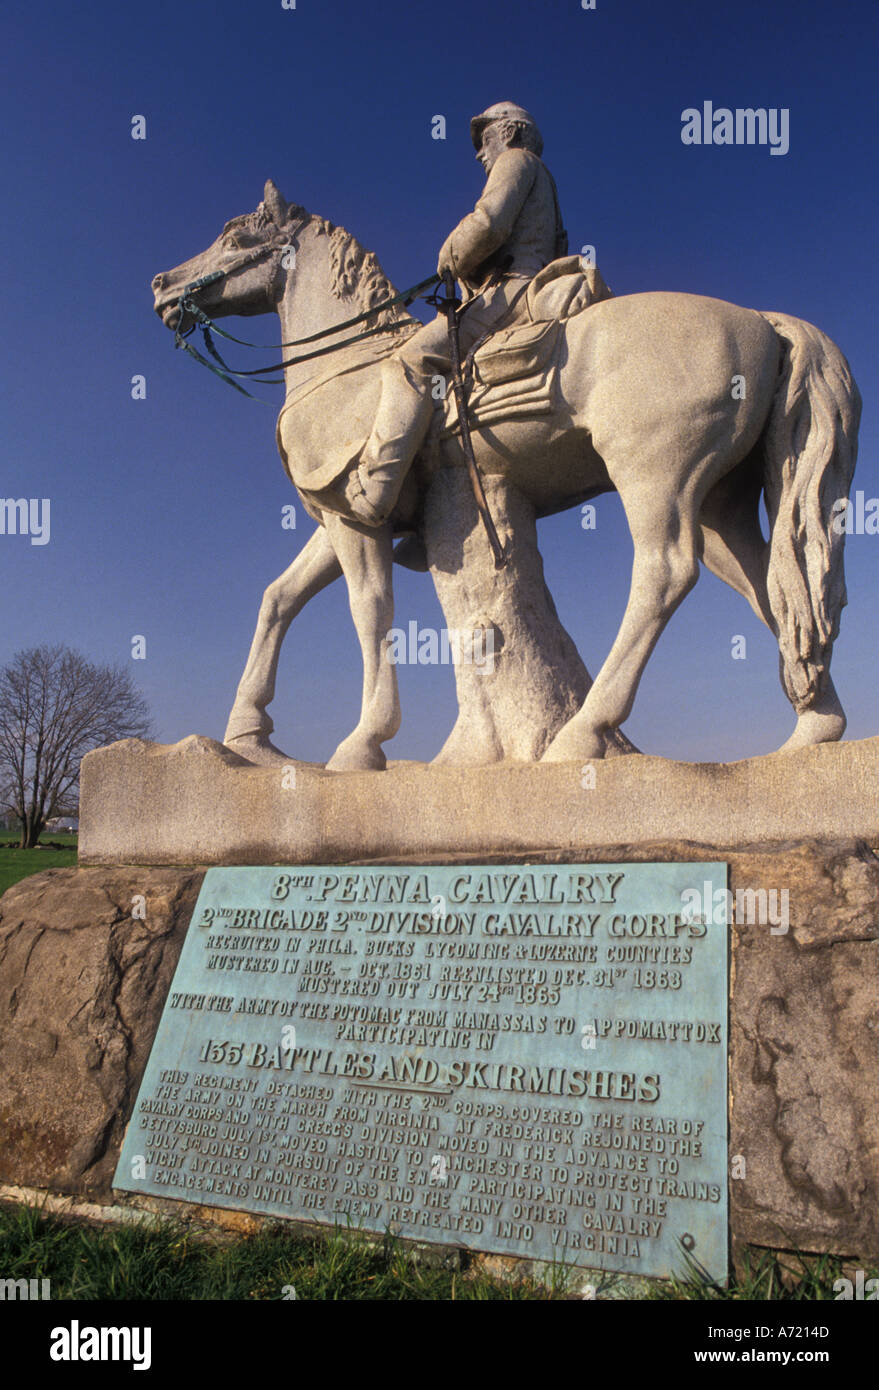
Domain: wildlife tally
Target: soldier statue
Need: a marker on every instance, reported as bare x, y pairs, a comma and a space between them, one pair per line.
512, 233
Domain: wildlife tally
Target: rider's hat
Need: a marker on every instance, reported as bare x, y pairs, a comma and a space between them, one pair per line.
503, 111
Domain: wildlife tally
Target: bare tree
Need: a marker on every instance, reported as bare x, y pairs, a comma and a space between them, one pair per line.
55, 706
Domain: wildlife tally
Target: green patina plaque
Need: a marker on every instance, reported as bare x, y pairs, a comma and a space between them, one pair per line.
530, 1060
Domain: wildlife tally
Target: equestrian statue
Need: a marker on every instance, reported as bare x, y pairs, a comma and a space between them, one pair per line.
691, 408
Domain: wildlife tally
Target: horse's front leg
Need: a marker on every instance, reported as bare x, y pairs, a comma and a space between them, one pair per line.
366, 557
249, 725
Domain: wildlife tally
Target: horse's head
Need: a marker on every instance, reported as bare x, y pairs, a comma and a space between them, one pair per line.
278, 258
247, 255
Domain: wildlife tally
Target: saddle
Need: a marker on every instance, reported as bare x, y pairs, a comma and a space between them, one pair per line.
511, 372
514, 371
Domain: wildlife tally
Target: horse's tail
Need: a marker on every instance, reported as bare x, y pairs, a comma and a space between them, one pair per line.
809, 451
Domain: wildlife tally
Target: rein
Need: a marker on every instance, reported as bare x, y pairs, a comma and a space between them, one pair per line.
187, 305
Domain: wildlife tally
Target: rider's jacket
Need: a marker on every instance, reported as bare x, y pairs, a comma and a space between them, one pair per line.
516, 226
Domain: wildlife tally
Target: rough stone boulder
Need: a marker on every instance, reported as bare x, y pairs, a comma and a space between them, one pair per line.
82, 985
804, 1054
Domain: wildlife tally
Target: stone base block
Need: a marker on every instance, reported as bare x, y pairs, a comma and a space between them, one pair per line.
196, 802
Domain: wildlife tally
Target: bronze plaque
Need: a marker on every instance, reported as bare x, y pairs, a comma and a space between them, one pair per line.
526, 1059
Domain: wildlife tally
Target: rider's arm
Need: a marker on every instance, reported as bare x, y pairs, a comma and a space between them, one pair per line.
490, 223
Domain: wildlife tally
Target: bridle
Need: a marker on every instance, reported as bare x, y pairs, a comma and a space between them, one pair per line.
187, 305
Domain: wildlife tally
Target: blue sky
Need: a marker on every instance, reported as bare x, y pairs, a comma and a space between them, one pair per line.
166, 513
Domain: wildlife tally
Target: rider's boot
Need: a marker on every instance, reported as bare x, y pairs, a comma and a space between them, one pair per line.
401, 423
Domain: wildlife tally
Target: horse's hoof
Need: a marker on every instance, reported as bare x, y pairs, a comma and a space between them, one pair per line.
259, 749
358, 755
572, 745
813, 728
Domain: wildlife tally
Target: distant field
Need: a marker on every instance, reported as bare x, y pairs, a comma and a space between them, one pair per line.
16, 864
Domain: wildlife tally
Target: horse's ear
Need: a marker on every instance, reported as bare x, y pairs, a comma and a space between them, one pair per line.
274, 201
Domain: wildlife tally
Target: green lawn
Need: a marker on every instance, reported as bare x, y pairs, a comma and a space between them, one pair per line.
169, 1261
16, 864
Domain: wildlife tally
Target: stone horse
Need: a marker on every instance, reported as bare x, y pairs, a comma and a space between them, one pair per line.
689, 407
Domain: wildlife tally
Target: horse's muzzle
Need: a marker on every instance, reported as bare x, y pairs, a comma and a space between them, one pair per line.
170, 315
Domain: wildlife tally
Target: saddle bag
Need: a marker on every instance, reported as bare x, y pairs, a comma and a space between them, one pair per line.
526, 350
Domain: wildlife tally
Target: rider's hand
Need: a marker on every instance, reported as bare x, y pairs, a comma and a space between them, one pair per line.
446, 260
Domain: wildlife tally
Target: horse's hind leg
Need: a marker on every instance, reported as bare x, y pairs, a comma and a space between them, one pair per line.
736, 550
733, 545
664, 570
366, 558
249, 725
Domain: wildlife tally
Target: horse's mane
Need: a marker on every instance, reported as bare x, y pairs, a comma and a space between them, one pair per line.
356, 272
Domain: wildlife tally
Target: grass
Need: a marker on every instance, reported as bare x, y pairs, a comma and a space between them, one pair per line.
766, 1278
16, 864
170, 1261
